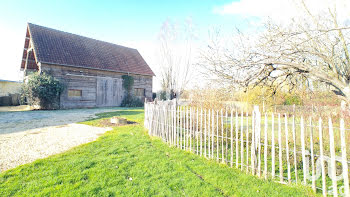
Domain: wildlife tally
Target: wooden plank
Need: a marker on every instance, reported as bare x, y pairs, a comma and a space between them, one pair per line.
231, 138
295, 150
242, 142
313, 178
323, 170
265, 146
273, 146
280, 148
236, 126
287, 147
344, 159
333, 166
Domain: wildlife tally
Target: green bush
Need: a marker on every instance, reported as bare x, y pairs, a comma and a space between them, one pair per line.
162, 95
130, 101
293, 100
42, 90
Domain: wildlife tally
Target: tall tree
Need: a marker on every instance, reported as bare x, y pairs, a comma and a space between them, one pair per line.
175, 49
315, 47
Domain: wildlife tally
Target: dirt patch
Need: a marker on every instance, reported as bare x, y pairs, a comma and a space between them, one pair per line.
107, 123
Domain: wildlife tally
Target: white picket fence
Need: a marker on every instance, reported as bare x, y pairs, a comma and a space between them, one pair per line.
271, 146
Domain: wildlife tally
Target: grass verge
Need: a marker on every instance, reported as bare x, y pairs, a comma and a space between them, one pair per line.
127, 162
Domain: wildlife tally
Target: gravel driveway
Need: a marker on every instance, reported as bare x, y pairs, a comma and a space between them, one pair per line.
31, 135
21, 121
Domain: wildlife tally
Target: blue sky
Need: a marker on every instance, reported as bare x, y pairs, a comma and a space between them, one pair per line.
126, 19
127, 22
130, 23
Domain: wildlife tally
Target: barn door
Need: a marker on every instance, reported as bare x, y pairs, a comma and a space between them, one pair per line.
108, 92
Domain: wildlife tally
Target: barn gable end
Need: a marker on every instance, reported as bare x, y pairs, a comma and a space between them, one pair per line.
91, 70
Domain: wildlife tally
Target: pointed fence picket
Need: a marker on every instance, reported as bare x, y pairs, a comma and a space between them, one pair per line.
229, 136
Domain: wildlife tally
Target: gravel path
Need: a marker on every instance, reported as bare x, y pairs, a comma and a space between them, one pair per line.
29, 135
11, 122
25, 147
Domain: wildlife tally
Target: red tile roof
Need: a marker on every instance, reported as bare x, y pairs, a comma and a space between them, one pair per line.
57, 47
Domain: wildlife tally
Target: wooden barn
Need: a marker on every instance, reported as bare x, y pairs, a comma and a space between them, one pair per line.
91, 70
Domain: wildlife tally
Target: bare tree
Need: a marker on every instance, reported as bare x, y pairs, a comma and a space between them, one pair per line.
175, 55
315, 47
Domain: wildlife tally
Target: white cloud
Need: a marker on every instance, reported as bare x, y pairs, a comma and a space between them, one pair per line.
281, 10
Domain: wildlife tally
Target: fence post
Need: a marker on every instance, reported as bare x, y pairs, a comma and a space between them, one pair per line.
242, 142
197, 131
209, 134
265, 147
181, 130
303, 148
190, 129
205, 133
222, 136
280, 148
252, 150
287, 146
231, 138
236, 127
333, 166
344, 159
213, 132
247, 145
201, 133
226, 160
258, 138
295, 150
187, 129
312, 157
324, 184
217, 136
273, 145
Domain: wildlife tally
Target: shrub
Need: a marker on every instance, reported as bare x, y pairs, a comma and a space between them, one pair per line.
130, 101
42, 90
293, 100
161, 95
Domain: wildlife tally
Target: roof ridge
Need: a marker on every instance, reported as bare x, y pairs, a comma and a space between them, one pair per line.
80, 36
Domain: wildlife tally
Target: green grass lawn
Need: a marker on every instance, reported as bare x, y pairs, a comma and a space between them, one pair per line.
127, 162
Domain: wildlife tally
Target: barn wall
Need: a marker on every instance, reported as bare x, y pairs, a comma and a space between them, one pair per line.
99, 88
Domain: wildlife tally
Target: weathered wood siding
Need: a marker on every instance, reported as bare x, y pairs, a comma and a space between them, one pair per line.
99, 88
